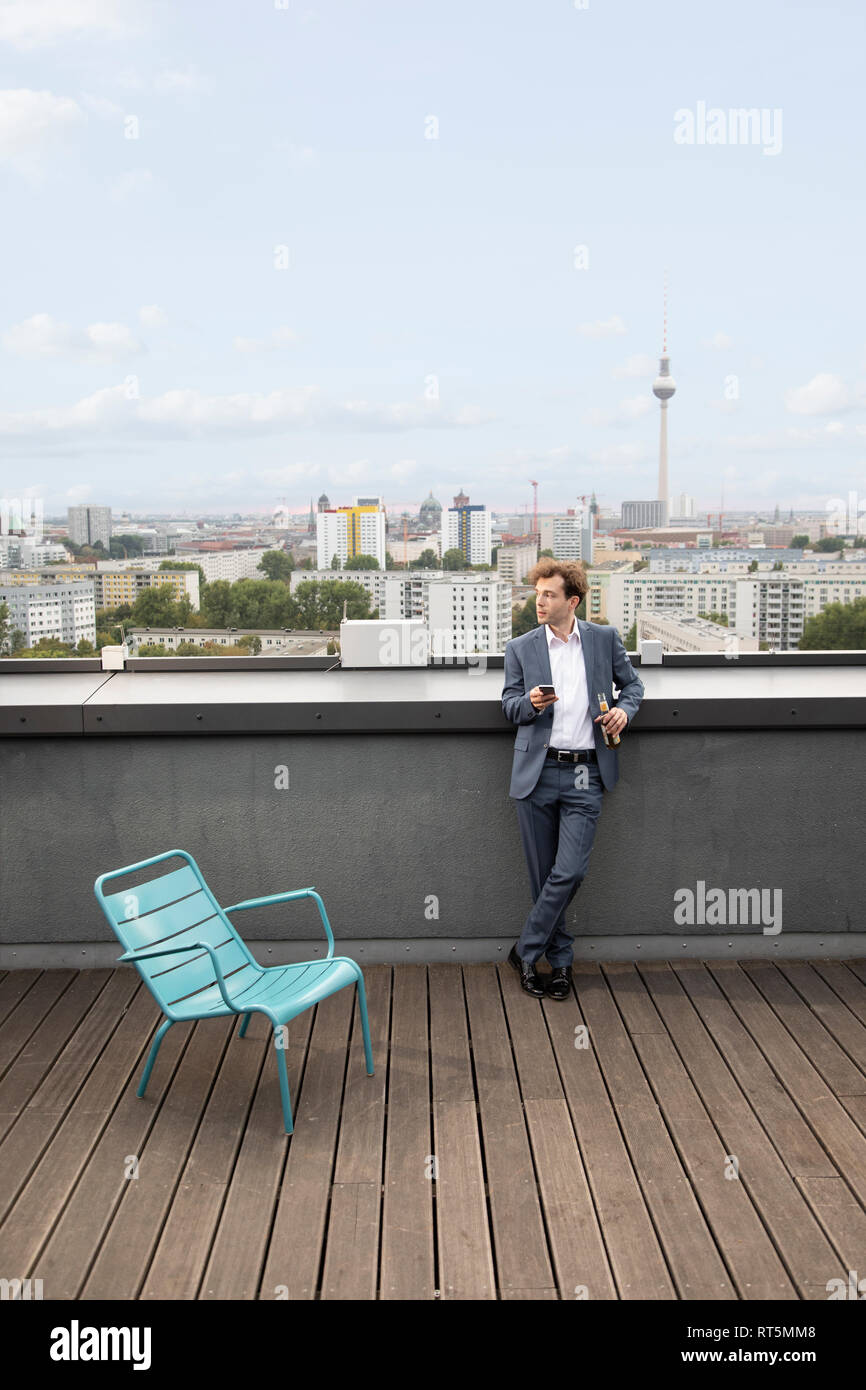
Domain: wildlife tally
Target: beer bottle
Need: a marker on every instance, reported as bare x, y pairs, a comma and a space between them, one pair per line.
612, 740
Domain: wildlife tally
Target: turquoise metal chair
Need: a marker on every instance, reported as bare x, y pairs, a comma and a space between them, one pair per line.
177, 914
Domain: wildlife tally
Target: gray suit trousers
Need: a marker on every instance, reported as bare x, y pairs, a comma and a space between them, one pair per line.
557, 825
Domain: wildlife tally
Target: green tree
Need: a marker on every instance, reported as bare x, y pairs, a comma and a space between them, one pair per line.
335, 562
5, 635
84, 648
838, 627
277, 564
525, 618
217, 603
454, 559
630, 639
753, 567
252, 642
320, 603
721, 618
828, 544
546, 552
799, 542
155, 608
151, 649
124, 547
361, 562
427, 560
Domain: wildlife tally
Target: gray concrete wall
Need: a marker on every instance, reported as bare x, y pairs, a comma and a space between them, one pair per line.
379, 822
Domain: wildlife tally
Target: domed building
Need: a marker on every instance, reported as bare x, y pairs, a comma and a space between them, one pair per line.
430, 513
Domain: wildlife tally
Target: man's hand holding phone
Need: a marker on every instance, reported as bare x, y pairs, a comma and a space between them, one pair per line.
542, 695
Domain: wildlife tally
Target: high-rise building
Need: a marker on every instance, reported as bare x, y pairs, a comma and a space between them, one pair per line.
636, 515
87, 525
684, 506
350, 531
468, 528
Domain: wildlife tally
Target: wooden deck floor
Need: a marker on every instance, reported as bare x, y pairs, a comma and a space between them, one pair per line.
709, 1141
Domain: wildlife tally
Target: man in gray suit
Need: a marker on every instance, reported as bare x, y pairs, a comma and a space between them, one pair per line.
561, 766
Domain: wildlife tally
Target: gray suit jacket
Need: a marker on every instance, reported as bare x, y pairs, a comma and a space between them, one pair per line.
527, 664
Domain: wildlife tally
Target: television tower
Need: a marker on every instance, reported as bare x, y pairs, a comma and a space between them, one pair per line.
664, 387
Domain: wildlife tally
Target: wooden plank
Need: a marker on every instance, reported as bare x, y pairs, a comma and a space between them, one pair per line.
178, 1101
463, 1239
407, 1262
690, 1250
843, 1219
748, 1252
837, 1017
579, 1258
26, 1015
237, 1256
632, 1245
181, 1255
717, 1052
804, 1155
296, 1246
353, 1233
466, 1268
46, 1192
64, 1262
60, 1083
519, 1241
841, 1074
351, 1269
530, 1040
635, 1004
846, 982
530, 1294
13, 987
839, 1135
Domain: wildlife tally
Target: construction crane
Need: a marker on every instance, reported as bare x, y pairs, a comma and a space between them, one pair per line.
535, 533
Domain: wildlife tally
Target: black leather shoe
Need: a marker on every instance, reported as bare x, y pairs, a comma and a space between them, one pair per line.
559, 984
530, 980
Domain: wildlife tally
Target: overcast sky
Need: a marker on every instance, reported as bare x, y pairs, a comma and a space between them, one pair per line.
252, 252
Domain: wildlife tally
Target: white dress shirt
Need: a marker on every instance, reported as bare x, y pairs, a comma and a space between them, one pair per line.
572, 726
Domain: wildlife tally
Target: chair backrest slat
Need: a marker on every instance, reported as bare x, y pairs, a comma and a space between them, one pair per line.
176, 909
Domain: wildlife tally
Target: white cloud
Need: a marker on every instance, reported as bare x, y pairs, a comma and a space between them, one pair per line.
823, 395
152, 316
30, 23
638, 365
603, 328
719, 340
101, 106
279, 338
44, 336
189, 414
31, 123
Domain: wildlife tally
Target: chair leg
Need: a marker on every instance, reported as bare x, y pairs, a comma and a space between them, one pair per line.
279, 1036
244, 1023
365, 1026
160, 1034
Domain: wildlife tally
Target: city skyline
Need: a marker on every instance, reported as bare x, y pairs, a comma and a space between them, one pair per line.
249, 266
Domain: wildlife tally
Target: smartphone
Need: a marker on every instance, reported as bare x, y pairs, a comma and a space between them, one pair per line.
547, 689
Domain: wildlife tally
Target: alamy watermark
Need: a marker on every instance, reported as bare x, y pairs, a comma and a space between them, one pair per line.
739, 125
718, 907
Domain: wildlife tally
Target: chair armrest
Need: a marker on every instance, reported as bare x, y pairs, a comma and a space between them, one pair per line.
287, 897
176, 950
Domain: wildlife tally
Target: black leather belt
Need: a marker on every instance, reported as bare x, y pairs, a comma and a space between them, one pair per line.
583, 755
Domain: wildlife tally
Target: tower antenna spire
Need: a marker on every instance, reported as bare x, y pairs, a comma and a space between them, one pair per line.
665, 334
